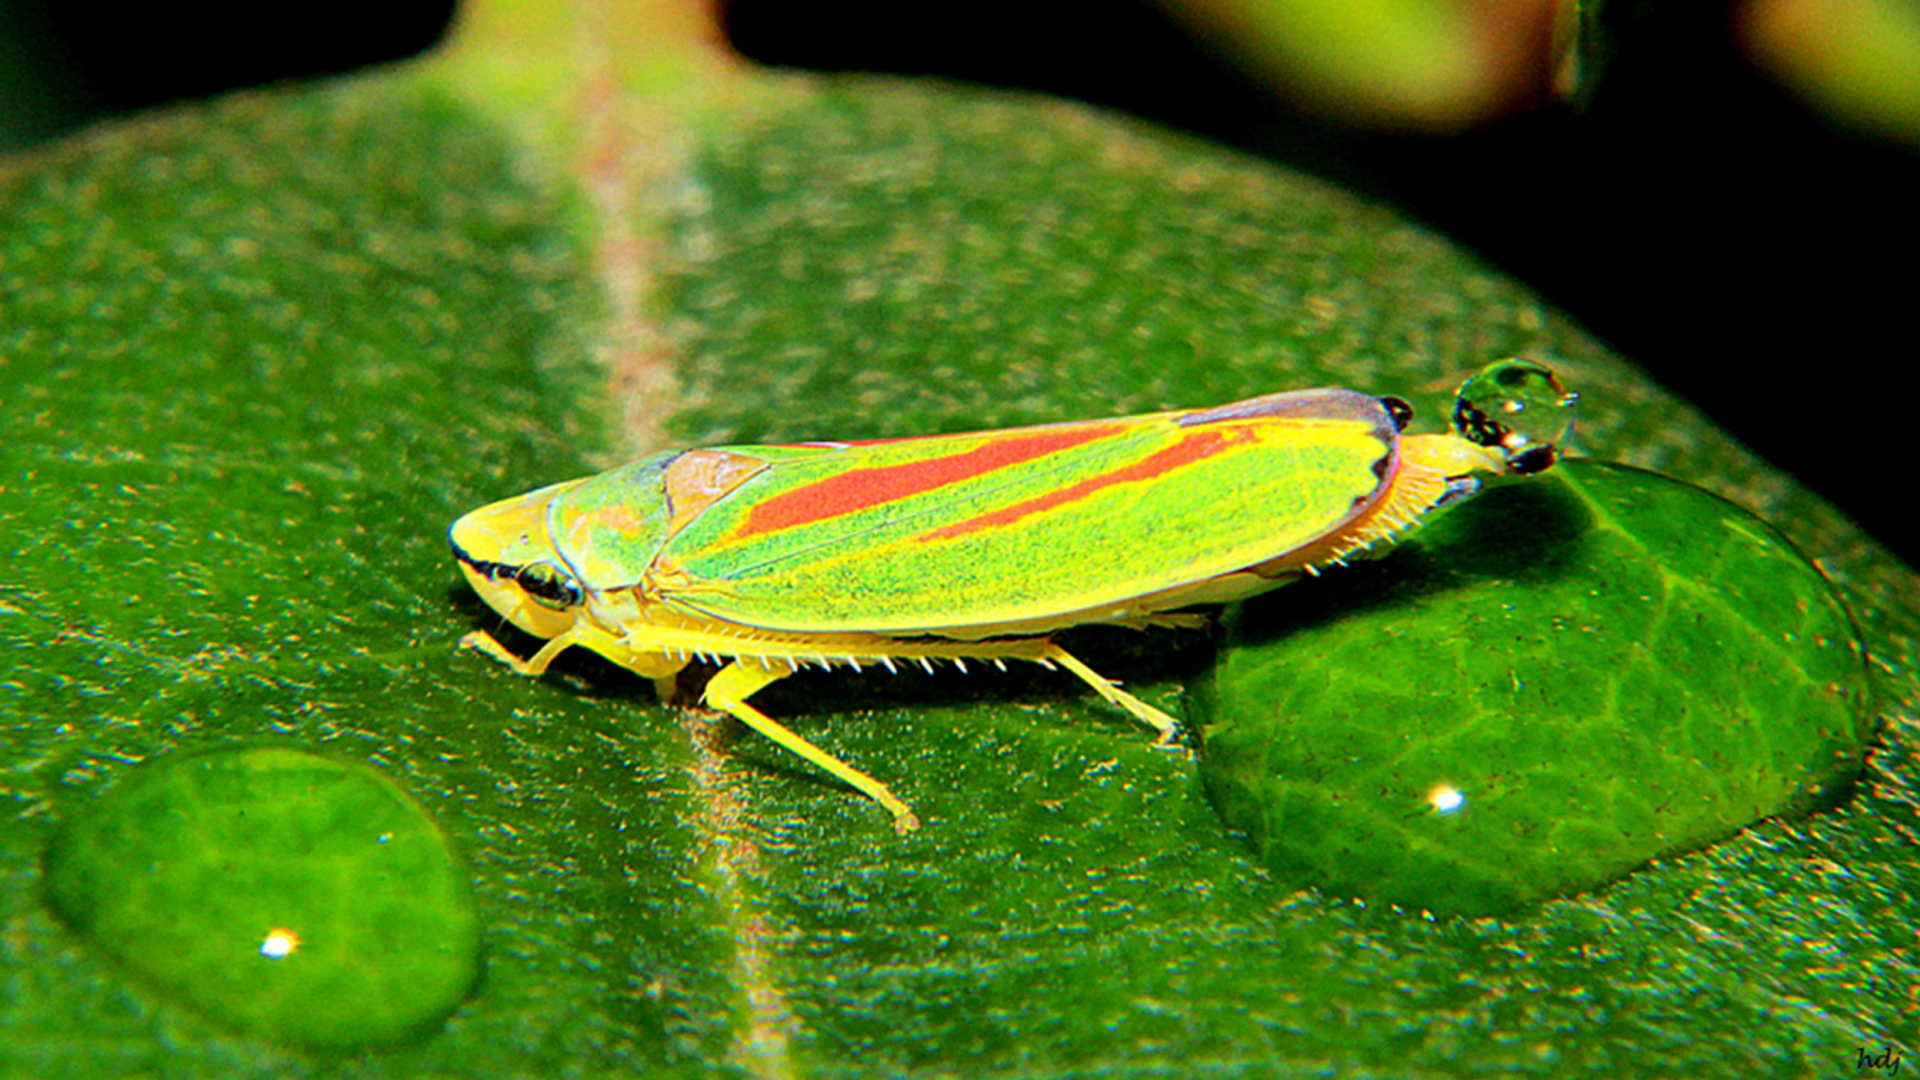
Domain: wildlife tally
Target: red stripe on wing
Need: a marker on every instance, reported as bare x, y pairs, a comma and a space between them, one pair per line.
861, 489
1191, 448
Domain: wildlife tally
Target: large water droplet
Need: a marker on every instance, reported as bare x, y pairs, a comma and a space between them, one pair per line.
285, 895
1540, 692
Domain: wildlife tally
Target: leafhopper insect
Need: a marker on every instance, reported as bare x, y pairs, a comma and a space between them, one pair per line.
978, 546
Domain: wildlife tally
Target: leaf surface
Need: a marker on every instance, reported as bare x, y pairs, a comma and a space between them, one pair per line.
256, 356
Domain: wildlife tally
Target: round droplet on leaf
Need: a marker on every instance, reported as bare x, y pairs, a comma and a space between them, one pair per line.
279, 893
1519, 406
1543, 689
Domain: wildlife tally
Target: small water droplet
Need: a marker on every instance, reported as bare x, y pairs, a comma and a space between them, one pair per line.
283, 894
1518, 406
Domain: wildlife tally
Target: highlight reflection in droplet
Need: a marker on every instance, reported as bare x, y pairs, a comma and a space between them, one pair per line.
279, 944
1446, 798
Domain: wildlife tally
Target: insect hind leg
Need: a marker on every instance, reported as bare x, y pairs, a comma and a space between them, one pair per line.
1043, 651
728, 691
1039, 650
1166, 725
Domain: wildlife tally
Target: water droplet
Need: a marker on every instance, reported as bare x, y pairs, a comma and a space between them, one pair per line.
283, 894
1519, 407
1495, 717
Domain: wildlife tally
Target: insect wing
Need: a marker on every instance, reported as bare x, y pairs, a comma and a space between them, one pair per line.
611, 528
949, 532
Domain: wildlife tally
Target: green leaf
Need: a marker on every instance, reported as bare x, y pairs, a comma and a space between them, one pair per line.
193, 872
1541, 691
256, 356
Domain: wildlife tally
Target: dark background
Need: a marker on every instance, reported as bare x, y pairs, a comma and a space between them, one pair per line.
1704, 222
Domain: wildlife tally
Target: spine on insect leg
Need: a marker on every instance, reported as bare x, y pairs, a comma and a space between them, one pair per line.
679, 640
683, 639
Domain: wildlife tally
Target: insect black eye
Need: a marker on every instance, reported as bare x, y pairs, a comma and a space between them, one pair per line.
1532, 460
1399, 410
548, 585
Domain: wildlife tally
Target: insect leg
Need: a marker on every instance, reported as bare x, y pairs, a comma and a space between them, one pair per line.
1166, 725
659, 666
728, 691
482, 642
655, 665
